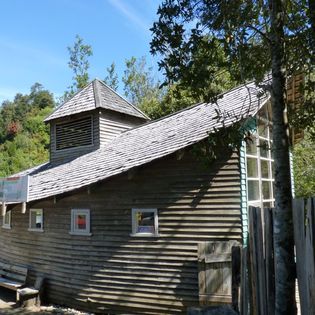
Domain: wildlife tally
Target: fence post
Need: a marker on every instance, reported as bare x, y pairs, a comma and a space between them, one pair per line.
236, 277
269, 260
304, 236
258, 271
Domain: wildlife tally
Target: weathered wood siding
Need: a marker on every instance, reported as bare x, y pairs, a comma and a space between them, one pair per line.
61, 156
113, 272
112, 124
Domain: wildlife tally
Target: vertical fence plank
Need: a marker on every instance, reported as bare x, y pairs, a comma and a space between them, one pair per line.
236, 277
269, 260
244, 282
304, 236
258, 274
202, 272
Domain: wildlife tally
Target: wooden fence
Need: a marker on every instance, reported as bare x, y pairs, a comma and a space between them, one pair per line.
257, 261
304, 236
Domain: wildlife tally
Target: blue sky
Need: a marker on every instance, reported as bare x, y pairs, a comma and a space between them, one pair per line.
34, 35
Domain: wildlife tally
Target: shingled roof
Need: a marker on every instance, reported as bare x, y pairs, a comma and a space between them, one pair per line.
145, 143
96, 95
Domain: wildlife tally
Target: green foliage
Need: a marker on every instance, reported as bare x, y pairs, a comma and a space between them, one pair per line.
303, 116
198, 39
304, 167
111, 78
24, 138
79, 64
174, 99
140, 85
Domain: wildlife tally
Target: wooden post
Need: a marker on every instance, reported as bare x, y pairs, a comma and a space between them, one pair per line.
4, 208
23, 210
236, 277
202, 273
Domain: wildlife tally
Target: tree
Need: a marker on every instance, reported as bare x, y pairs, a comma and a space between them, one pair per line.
79, 64
111, 78
140, 85
24, 137
304, 167
257, 37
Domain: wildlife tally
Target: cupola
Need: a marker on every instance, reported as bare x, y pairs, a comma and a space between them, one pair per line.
90, 119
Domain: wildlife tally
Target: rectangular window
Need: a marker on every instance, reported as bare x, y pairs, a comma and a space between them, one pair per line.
6, 223
260, 161
80, 222
73, 134
144, 222
36, 220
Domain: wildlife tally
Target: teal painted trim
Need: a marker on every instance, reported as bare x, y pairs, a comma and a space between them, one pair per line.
244, 205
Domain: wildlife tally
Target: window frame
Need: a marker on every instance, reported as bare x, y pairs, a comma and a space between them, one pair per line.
34, 229
74, 213
257, 138
135, 224
7, 225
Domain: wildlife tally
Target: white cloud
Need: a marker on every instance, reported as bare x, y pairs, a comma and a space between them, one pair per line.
130, 14
33, 53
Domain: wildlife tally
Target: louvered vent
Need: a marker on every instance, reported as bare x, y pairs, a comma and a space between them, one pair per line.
73, 134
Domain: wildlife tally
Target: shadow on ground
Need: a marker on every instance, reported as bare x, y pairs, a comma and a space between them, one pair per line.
9, 307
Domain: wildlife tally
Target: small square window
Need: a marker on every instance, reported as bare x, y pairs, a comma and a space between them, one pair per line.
36, 220
144, 222
6, 223
80, 222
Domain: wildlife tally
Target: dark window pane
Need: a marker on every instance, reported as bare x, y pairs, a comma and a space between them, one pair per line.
266, 190
252, 168
251, 146
145, 222
263, 128
264, 148
253, 190
264, 168
81, 222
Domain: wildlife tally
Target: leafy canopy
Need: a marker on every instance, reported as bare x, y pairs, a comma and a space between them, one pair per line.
24, 138
79, 64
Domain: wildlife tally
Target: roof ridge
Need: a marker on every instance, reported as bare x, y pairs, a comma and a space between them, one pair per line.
124, 99
64, 102
243, 85
97, 93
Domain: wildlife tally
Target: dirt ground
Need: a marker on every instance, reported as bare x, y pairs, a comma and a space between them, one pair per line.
9, 307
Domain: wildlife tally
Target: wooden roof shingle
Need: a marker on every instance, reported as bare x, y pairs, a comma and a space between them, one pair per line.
145, 143
96, 95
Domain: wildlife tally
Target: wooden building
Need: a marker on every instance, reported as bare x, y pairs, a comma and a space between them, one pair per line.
115, 217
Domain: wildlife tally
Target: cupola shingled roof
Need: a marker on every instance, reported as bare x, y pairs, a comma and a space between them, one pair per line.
96, 95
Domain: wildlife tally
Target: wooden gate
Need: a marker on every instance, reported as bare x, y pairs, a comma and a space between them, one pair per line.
215, 272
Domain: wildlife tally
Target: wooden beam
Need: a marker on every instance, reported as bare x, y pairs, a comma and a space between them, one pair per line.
23, 208
4, 208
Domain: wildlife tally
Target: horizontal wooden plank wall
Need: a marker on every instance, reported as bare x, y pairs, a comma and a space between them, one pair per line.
60, 156
114, 272
112, 124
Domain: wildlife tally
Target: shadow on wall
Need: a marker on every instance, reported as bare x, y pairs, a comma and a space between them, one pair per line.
160, 275
114, 272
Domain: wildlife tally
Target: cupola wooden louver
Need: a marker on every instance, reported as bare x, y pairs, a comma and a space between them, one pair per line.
73, 134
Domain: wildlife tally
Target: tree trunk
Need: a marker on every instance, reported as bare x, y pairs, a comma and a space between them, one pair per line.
283, 230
